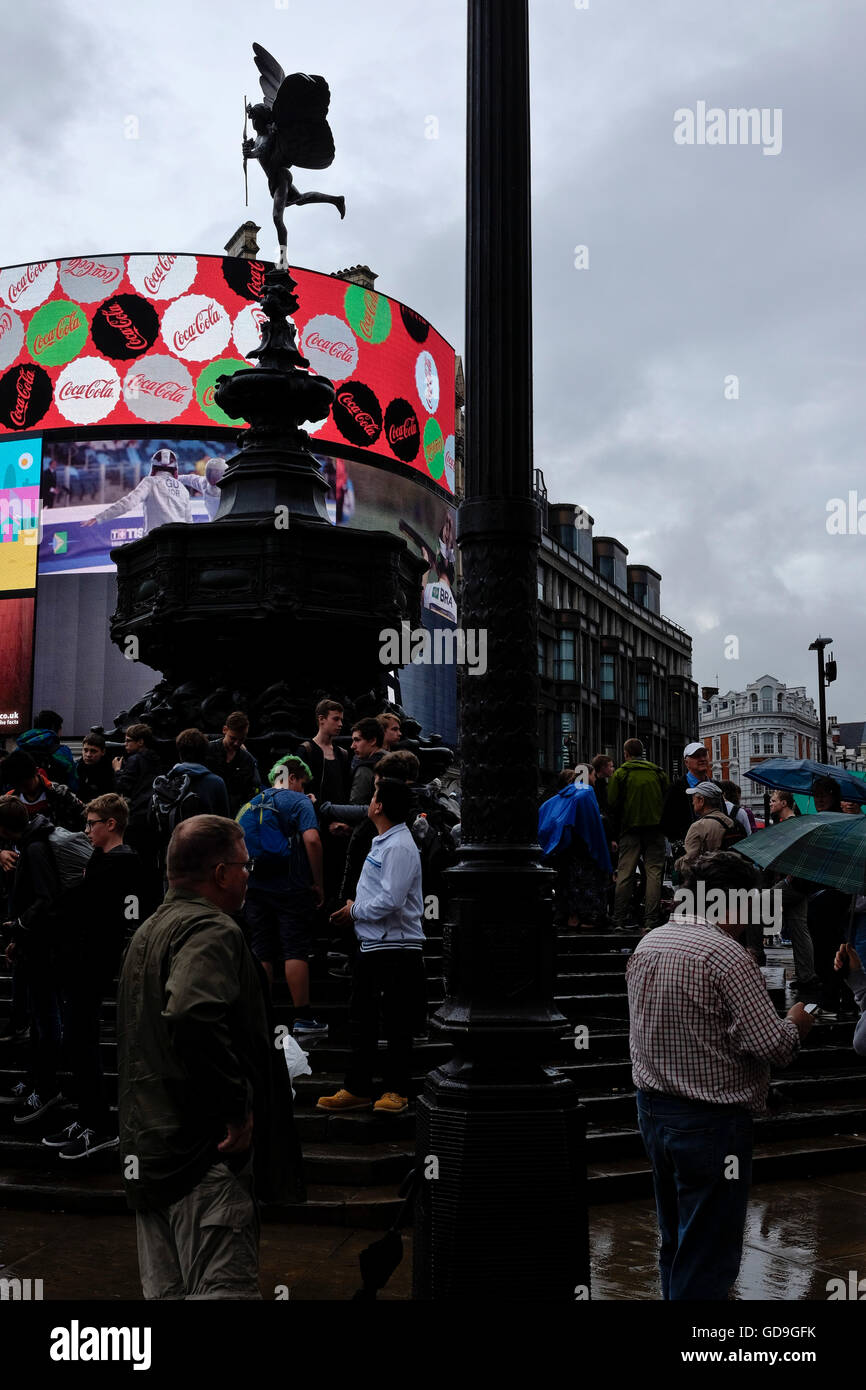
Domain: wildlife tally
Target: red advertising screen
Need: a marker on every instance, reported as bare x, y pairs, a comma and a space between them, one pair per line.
141, 339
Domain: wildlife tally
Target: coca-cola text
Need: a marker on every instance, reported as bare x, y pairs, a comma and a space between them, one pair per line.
32, 273
204, 320
23, 392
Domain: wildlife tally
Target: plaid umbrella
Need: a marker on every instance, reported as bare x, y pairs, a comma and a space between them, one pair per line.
828, 848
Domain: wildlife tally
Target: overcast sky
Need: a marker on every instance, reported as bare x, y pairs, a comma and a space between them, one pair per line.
706, 262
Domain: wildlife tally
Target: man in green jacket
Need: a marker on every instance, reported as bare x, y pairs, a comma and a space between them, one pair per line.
204, 1096
635, 798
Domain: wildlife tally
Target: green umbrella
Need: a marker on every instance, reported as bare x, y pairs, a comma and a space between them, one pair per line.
829, 848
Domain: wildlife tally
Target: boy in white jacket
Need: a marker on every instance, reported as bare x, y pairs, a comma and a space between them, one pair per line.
161, 496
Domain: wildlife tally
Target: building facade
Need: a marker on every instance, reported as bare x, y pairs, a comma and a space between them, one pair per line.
610, 665
847, 744
744, 728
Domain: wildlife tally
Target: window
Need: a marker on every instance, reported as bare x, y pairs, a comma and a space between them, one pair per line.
605, 567
540, 573
756, 742
541, 656
734, 749
779, 701
769, 744
766, 699
564, 663
607, 678
754, 701
779, 742
643, 696
717, 749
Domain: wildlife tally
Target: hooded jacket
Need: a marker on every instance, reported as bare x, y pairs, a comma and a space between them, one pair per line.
636, 795
195, 1051
208, 787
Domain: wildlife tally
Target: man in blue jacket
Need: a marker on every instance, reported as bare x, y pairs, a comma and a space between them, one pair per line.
388, 981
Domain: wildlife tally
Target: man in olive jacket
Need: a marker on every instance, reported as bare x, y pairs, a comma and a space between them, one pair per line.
635, 799
204, 1096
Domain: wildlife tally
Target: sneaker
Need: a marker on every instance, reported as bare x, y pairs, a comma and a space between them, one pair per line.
89, 1142
17, 1094
342, 972
34, 1107
309, 1028
391, 1104
343, 1100
66, 1136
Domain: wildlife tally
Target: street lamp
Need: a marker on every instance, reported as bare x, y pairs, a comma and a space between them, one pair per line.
501, 1210
824, 678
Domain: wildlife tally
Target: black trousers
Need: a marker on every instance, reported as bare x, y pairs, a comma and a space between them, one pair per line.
388, 988
82, 1005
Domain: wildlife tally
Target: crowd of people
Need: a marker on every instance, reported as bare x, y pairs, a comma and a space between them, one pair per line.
202, 885
703, 1030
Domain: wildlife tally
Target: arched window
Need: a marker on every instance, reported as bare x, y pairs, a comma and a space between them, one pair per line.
779, 700
766, 699
754, 701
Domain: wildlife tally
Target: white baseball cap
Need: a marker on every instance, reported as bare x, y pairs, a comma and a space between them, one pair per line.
692, 748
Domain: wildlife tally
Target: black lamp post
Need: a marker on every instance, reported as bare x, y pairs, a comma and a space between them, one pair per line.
502, 1211
818, 646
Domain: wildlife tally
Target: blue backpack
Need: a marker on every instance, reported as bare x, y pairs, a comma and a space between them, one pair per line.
263, 828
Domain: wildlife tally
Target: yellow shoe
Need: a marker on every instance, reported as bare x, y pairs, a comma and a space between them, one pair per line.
391, 1104
343, 1100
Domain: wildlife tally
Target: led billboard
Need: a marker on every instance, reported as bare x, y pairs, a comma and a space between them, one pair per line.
20, 462
132, 340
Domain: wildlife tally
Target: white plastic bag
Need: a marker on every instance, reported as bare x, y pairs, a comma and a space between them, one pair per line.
297, 1060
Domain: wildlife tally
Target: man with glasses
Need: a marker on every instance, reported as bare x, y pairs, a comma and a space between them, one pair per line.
93, 921
204, 1097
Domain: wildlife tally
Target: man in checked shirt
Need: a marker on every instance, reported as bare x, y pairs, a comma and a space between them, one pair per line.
703, 1036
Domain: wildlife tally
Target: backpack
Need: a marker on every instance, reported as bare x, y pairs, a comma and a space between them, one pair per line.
172, 801
732, 836
263, 828
432, 832
71, 850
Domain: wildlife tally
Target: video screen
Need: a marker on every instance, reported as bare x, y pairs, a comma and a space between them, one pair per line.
16, 644
19, 512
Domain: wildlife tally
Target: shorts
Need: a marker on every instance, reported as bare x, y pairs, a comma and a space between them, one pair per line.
281, 925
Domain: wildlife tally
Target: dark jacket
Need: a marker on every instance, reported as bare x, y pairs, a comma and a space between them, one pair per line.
241, 776
93, 779
210, 789
95, 917
50, 754
36, 881
315, 760
363, 778
196, 1050
135, 782
65, 807
679, 812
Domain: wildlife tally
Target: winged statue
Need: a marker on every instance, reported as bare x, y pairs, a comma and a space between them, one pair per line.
291, 130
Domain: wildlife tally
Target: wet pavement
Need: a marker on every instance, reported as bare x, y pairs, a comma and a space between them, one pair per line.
799, 1235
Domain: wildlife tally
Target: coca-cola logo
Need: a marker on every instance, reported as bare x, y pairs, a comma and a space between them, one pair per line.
401, 430
57, 332
357, 414
87, 279
196, 327
427, 382
415, 326
87, 389
163, 276
11, 337
330, 347
246, 278
157, 388
124, 326
25, 395
26, 286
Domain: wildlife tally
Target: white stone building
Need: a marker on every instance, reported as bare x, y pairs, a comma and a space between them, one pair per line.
745, 727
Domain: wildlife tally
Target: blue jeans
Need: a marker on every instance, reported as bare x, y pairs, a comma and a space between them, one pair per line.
701, 1210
